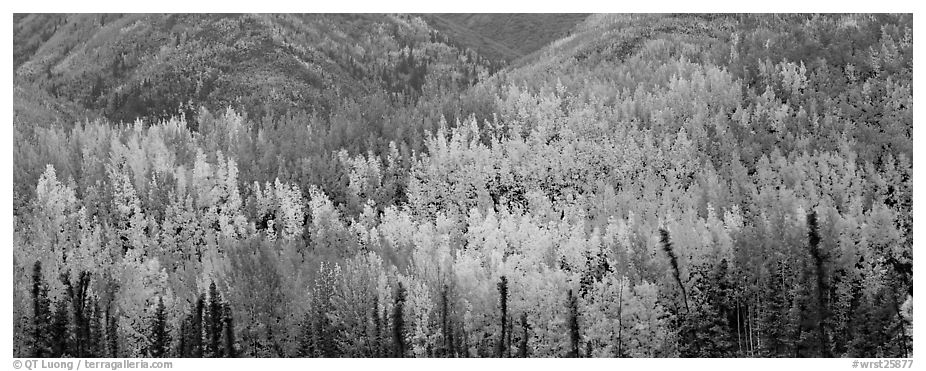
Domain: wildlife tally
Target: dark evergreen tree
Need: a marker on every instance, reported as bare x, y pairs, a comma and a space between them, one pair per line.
525, 328
95, 346
813, 236
781, 317
323, 330
324, 334
229, 336
213, 323
572, 321
306, 341
447, 325
159, 344
79, 298
503, 306
60, 332
673, 260
273, 348
377, 329
195, 335
704, 331
41, 314
398, 322
183, 346
112, 333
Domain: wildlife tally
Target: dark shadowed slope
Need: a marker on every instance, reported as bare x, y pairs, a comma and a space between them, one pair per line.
505, 36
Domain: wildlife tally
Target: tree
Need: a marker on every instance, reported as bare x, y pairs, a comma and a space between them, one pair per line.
813, 236
324, 330
228, 338
214, 318
194, 336
112, 333
666, 242
81, 302
572, 305
419, 306
130, 218
525, 334
377, 329
306, 337
41, 314
160, 335
503, 306
704, 331
353, 295
398, 322
447, 347
59, 332
96, 346
141, 282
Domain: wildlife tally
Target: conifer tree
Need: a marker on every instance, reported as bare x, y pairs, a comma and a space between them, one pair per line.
183, 349
673, 260
323, 330
229, 336
446, 323
41, 314
377, 329
503, 304
306, 343
95, 346
60, 333
703, 331
813, 236
78, 296
195, 339
160, 336
522, 348
398, 320
112, 334
572, 305
214, 318
620, 319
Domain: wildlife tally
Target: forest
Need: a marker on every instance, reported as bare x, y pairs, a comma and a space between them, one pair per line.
282, 185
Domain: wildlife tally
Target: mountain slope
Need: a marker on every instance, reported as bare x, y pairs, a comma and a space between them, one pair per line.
155, 66
505, 36
806, 61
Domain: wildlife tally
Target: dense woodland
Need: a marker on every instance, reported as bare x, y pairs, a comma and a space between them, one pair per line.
365, 186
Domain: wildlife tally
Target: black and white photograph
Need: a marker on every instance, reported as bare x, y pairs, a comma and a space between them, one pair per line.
460, 185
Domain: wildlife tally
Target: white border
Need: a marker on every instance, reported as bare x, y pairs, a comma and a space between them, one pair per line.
468, 6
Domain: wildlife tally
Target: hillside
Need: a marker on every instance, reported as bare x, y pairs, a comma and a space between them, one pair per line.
155, 66
505, 36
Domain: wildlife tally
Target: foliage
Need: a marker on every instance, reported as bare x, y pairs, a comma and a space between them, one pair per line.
648, 186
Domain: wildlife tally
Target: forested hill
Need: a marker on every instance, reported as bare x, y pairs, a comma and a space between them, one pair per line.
647, 186
155, 66
360, 77
505, 36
